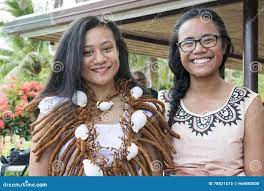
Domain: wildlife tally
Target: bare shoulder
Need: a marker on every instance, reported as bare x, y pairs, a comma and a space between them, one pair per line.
255, 114
256, 107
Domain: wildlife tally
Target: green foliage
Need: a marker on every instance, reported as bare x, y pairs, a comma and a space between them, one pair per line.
16, 60
20, 7
160, 69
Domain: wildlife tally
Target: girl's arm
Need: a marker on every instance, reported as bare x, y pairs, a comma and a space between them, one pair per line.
254, 139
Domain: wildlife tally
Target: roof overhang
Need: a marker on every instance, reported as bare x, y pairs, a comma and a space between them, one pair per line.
146, 24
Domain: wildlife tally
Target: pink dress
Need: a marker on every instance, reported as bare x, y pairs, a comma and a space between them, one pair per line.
210, 144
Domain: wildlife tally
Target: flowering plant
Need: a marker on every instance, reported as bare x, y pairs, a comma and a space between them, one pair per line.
14, 97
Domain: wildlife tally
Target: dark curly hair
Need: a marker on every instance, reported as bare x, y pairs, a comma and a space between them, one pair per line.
181, 81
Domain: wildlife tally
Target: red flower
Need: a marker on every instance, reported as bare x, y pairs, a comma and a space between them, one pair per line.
19, 109
2, 124
24, 98
3, 102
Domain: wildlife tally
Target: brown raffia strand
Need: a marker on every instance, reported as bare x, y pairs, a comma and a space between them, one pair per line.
147, 135
33, 104
144, 170
165, 135
165, 125
58, 147
49, 138
78, 169
146, 156
130, 168
76, 157
67, 153
155, 143
167, 158
158, 136
80, 173
52, 131
65, 161
142, 159
77, 160
50, 124
127, 171
160, 106
49, 121
59, 107
119, 168
163, 139
44, 142
150, 133
51, 114
160, 118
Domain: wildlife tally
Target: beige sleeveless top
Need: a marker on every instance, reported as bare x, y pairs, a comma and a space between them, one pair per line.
210, 144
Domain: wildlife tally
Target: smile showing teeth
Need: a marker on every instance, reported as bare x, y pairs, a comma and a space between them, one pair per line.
101, 70
201, 60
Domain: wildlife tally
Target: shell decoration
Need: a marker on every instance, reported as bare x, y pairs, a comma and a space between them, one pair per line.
82, 132
132, 151
91, 169
105, 105
79, 98
136, 92
138, 120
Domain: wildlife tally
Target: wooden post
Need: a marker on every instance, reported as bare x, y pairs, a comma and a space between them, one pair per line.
250, 37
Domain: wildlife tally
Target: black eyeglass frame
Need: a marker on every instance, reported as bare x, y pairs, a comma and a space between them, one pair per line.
217, 36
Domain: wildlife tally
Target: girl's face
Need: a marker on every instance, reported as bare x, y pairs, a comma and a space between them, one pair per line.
201, 61
100, 57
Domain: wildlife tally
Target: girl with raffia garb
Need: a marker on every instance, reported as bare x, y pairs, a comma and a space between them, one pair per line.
221, 126
94, 119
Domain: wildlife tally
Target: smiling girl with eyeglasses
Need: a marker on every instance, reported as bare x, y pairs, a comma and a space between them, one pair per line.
221, 126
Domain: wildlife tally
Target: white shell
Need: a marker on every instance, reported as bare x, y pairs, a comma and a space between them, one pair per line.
79, 98
139, 120
82, 132
91, 169
133, 151
105, 105
136, 92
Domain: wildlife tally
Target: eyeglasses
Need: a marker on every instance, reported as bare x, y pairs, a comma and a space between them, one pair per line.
207, 41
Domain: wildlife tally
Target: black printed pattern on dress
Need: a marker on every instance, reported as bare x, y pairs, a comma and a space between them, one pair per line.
229, 114
166, 96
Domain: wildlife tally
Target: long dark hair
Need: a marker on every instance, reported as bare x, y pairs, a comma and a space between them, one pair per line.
66, 74
181, 81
